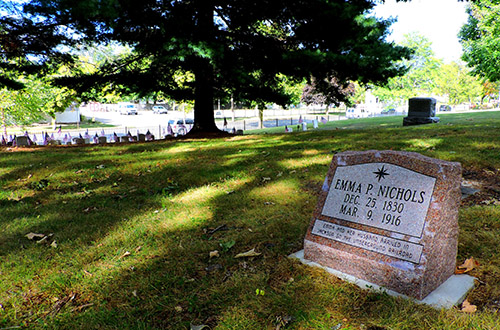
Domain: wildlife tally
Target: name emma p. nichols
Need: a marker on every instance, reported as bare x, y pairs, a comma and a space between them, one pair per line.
394, 193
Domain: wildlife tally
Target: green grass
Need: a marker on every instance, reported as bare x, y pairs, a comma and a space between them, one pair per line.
135, 224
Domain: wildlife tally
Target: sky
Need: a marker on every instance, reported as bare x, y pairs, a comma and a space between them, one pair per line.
438, 20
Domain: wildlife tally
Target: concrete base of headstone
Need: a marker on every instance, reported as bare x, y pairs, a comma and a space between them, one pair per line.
450, 293
410, 121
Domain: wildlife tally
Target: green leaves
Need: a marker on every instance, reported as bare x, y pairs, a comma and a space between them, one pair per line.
480, 39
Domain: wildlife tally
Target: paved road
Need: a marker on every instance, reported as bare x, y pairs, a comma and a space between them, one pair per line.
143, 118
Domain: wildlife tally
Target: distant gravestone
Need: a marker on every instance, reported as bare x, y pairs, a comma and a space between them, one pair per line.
124, 138
54, 142
141, 137
389, 218
101, 139
22, 141
421, 110
79, 141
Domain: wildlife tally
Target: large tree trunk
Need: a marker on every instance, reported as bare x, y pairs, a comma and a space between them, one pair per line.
204, 119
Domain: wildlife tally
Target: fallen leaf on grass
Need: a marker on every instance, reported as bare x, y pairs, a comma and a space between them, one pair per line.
468, 307
265, 179
226, 246
53, 244
82, 307
126, 254
250, 253
198, 327
43, 240
88, 209
214, 254
467, 266
32, 236
178, 309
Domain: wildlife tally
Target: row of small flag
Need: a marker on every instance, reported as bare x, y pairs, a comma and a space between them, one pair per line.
46, 138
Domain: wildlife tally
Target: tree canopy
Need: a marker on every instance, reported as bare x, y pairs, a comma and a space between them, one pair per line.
231, 47
480, 38
428, 76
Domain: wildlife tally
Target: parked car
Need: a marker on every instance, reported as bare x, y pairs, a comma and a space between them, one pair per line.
181, 126
159, 109
127, 109
388, 111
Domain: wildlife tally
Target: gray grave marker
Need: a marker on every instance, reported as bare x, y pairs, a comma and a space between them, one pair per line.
421, 110
22, 141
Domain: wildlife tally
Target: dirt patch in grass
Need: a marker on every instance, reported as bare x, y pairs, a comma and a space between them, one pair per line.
486, 182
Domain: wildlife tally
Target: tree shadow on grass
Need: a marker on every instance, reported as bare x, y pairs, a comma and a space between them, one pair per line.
134, 237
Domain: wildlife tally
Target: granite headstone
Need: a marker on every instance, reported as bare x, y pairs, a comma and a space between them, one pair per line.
389, 218
22, 141
421, 110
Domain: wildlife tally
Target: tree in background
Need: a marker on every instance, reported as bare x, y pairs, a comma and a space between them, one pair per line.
455, 81
419, 80
26, 96
490, 91
231, 47
36, 101
26, 46
327, 91
480, 39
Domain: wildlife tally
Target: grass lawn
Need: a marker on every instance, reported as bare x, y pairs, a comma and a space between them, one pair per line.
135, 229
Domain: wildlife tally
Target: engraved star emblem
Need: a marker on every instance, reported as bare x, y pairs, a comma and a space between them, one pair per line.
381, 173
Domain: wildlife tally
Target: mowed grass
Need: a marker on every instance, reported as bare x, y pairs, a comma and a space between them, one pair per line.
136, 226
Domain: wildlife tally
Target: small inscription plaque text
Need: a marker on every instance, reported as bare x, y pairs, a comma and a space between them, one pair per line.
396, 248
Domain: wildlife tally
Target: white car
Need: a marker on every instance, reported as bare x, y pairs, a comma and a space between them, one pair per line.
159, 109
127, 109
181, 126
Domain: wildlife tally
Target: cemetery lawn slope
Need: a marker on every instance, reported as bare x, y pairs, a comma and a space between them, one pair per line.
145, 236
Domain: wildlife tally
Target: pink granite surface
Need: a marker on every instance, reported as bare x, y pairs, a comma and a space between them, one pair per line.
439, 236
